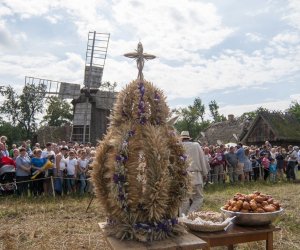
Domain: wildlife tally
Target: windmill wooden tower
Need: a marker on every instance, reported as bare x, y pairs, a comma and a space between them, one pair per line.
91, 106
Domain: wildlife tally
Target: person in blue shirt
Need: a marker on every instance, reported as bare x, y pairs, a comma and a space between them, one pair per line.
273, 170
240, 153
23, 170
36, 164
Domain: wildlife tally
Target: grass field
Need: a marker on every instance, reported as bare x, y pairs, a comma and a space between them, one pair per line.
62, 223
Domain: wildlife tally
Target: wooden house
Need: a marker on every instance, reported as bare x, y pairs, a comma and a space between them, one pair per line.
278, 128
223, 131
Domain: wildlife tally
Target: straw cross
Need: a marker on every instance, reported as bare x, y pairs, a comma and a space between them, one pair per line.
140, 58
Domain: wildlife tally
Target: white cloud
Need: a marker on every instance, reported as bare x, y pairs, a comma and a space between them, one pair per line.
28, 8
53, 18
5, 11
9, 40
287, 37
254, 37
180, 33
168, 29
229, 70
46, 66
295, 97
238, 110
293, 15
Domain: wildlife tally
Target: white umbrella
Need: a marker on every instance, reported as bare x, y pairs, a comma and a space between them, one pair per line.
229, 144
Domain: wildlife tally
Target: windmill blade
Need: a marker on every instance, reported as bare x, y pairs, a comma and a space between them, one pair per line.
69, 90
96, 53
63, 90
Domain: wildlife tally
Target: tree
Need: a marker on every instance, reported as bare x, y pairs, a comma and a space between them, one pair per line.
214, 111
14, 134
294, 109
252, 114
199, 108
107, 86
23, 109
58, 113
189, 118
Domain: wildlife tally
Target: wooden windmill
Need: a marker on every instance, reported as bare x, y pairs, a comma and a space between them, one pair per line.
91, 106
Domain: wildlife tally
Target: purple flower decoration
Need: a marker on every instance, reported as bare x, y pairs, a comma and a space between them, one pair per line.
124, 145
119, 178
174, 221
131, 133
184, 172
141, 104
119, 158
142, 88
121, 197
143, 120
183, 157
115, 178
156, 97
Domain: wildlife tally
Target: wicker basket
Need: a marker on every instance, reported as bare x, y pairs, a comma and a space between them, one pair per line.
206, 226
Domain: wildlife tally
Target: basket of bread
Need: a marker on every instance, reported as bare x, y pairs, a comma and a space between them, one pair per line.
205, 221
253, 209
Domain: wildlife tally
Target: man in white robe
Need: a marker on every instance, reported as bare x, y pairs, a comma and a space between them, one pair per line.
198, 170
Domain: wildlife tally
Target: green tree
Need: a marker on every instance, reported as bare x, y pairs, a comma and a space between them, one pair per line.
189, 118
14, 134
294, 109
58, 113
23, 109
252, 114
214, 111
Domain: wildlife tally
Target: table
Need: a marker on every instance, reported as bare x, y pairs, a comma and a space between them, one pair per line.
187, 241
239, 234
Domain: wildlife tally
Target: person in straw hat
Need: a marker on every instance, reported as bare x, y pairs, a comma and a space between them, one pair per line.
198, 170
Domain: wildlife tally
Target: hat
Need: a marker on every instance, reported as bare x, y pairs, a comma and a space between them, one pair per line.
64, 148
185, 134
295, 148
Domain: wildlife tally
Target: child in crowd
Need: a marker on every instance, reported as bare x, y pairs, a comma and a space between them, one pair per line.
266, 165
273, 170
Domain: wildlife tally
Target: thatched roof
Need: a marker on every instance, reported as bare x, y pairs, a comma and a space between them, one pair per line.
223, 131
285, 127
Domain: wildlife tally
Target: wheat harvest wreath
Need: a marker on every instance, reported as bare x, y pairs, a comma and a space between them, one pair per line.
139, 172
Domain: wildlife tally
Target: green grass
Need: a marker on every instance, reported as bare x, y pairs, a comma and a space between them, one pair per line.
287, 193
62, 223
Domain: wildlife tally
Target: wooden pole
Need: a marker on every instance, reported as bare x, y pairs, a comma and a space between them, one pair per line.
52, 184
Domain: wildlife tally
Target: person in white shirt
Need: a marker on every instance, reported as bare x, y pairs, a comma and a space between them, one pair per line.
61, 167
292, 162
71, 171
48, 153
198, 170
83, 162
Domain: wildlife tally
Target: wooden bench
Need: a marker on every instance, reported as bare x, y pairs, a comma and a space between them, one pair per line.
187, 241
237, 234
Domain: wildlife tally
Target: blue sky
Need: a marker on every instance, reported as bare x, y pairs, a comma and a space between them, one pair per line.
243, 54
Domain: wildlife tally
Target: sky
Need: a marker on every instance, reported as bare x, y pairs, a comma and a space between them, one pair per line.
243, 54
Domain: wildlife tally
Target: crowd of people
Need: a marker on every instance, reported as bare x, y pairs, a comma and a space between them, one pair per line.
215, 164
251, 163
68, 172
